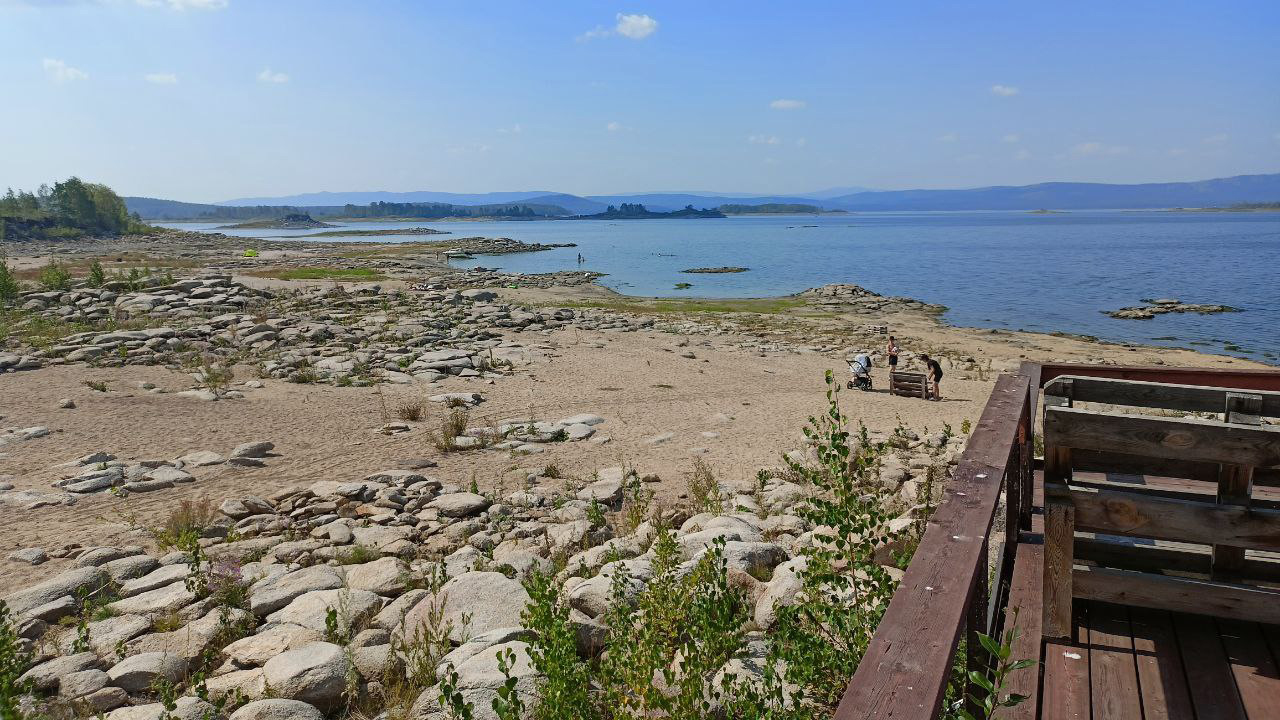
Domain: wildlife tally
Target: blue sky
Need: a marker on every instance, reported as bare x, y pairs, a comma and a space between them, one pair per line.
206, 100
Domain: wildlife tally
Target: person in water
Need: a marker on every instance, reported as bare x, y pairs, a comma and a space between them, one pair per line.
934, 372
892, 352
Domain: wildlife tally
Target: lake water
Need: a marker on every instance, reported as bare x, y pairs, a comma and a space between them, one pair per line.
1010, 270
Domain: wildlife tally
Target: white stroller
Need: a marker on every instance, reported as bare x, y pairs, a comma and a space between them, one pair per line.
860, 369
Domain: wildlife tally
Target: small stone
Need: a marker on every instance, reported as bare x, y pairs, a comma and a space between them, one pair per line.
31, 556
253, 449
67, 404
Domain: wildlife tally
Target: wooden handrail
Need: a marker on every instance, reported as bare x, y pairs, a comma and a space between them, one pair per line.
905, 670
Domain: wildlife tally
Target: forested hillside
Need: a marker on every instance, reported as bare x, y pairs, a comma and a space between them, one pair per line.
69, 209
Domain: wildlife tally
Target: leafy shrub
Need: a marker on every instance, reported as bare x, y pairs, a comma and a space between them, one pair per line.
452, 426
704, 491
251, 253
9, 286
97, 276
190, 518
55, 276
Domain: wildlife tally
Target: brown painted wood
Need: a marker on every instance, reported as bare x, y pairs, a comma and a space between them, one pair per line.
1113, 676
905, 669
1253, 666
1177, 594
1059, 544
1024, 613
1173, 438
1161, 677
1209, 680
1125, 554
1169, 487
1167, 396
1119, 512
1066, 682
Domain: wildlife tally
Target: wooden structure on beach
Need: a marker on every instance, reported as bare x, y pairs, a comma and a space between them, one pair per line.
909, 384
1140, 557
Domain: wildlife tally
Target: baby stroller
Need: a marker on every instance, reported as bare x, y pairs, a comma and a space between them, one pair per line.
860, 368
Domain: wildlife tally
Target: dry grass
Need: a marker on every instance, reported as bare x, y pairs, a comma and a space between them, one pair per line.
190, 516
451, 427
411, 410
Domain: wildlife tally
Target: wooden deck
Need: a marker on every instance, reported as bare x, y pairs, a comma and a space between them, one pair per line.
1128, 663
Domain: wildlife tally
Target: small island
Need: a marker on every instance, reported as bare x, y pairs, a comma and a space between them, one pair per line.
637, 211
1046, 211
293, 221
372, 233
775, 209
708, 270
1164, 306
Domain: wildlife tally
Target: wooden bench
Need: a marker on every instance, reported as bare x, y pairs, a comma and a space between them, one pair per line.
909, 384
1222, 517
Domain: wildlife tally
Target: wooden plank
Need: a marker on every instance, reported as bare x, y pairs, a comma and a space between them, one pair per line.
1165, 556
1234, 379
1059, 542
1024, 613
907, 664
1113, 675
1096, 461
1159, 662
1167, 396
1119, 512
1235, 484
1177, 594
1031, 371
1066, 682
1253, 667
1169, 487
1209, 681
1174, 438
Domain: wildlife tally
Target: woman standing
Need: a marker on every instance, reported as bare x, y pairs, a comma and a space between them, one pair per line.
892, 352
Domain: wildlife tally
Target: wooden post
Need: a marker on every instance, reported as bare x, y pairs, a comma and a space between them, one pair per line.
978, 659
1235, 483
1059, 551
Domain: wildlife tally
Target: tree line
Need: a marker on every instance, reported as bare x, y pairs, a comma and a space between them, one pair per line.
68, 209
443, 210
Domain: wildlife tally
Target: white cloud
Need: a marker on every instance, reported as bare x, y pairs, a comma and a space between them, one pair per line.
1097, 148
60, 72
513, 130
186, 4
613, 126
1218, 139
1022, 154
764, 140
469, 148
267, 76
801, 142
785, 104
949, 137
1012, 138
1004, 90
162, 78
636, 27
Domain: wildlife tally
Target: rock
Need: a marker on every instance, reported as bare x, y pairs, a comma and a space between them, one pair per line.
607, 492
314, 674
272, 640
393, 614
105, 634
757, 559
161, 577
30, 556
384, 576
169, 474
129, 568
459, 505
269, 595
46, 676
241, 508
67, 404
138, 672
202, 458
108, 698
277, 709
490, 599
478, 681
253, 449
188, 708
69, 583
309, 610
153, 602
205, 395
582, 419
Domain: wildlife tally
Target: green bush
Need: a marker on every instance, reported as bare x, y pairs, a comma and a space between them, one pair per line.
97, 276
9, 285
13, 662
55, 276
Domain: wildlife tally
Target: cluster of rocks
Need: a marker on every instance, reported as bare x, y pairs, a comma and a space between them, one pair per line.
839, 296
334, 579
1164, 306
102, 472
321, 334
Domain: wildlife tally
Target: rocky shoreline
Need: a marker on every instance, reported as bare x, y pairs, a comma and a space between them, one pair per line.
1164, 306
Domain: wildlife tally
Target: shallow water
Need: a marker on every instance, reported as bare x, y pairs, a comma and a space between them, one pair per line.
991, 269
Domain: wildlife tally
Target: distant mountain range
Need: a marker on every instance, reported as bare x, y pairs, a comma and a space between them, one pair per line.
1218, 192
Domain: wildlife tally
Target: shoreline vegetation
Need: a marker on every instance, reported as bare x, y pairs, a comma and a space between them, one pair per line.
636, 211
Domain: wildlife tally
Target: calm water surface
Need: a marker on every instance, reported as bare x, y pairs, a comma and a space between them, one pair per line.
991, 269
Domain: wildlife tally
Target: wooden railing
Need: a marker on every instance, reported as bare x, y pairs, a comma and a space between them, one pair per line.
946, 589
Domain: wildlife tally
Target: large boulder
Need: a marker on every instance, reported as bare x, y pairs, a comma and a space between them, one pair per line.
139, 672
489, 600
354, 607
277, 709
70, 583
459, 505
384, 576
272, 640
314, 674
269, 595
478, 681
